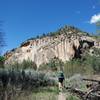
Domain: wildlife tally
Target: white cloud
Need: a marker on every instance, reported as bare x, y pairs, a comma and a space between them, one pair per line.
95, 18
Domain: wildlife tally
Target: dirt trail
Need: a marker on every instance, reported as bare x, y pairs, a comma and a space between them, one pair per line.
62, 96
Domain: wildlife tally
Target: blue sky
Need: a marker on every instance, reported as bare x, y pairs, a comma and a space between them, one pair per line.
23, 19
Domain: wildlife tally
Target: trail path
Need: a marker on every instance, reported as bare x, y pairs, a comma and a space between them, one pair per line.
62, 96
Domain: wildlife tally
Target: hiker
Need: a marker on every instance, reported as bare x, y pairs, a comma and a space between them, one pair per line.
60, 80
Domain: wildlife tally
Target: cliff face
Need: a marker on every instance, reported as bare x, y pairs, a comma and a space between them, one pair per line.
65, 45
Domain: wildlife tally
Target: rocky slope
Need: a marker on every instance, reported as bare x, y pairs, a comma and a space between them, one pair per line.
65, 44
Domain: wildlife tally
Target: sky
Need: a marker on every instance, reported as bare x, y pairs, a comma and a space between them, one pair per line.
23, 19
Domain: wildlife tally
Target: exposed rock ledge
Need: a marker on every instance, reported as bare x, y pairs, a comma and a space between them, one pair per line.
63, 46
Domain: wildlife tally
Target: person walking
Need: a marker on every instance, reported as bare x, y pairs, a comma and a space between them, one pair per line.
60, 80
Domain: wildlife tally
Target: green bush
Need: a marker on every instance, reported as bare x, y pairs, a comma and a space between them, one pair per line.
87, 64
29, 64
76, 66
26, 64
54, 65
93, 62
71, 97
2, 60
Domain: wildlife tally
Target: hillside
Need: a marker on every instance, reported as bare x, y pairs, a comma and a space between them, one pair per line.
65, 44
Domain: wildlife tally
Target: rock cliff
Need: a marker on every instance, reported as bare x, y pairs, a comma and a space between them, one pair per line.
65, 44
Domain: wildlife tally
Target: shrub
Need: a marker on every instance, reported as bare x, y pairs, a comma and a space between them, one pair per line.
87, 64
54, 65
17, 82
71, 97
26, 64
77, 66
2, 60
93, 62
26, 79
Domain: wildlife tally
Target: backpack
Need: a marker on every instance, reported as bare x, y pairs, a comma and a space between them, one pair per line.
60, 75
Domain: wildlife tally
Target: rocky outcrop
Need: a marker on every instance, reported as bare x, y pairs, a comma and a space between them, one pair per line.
65, 45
